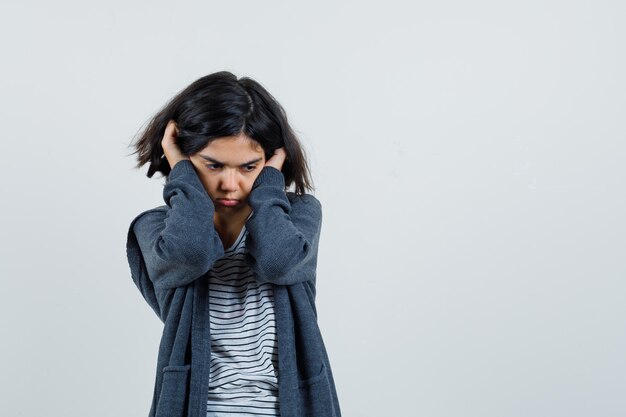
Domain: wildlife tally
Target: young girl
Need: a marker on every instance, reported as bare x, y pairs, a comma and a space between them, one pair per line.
229, 262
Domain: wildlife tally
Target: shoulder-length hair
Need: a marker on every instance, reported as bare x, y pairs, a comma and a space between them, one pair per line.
219, 105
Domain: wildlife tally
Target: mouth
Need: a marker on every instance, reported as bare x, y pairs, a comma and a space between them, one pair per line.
226, 202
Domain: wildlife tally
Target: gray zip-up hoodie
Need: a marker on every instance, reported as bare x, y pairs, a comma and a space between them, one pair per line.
170, 250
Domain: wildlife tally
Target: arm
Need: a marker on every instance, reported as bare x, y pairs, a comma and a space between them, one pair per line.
283, 236
160, 301
180, 244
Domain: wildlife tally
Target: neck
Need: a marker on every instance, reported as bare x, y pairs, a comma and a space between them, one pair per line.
229, 225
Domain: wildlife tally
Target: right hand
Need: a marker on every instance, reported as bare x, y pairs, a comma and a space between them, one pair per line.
170, 147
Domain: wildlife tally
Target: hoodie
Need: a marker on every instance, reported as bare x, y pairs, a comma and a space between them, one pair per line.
171, 248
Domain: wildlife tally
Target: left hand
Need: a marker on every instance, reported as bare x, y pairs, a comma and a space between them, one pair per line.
277, 160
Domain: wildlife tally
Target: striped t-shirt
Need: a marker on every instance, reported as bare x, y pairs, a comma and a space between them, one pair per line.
244, 351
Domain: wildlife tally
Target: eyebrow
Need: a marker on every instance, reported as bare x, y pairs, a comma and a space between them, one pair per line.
208, 158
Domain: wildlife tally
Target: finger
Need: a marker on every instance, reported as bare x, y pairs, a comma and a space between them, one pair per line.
172, 129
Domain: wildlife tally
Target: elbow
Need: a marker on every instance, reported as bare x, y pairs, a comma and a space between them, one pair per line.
176, 264
180, 271
281, 271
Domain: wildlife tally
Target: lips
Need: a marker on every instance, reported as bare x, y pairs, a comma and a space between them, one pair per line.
226, 202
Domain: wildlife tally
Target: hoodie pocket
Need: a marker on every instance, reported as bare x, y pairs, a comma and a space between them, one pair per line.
174, 391
303, 383
315, 396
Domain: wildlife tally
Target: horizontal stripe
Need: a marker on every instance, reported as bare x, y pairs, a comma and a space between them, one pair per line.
243, 377
233, 327
256, 304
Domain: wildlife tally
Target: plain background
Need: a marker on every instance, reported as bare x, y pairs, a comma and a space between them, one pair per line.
469, 157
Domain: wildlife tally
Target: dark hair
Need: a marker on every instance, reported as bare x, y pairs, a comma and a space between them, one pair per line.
219, 105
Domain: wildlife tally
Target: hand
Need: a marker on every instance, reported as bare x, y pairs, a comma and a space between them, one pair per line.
277, 159
170, 147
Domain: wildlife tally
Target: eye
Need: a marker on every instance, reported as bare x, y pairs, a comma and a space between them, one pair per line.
249, 168
213, 166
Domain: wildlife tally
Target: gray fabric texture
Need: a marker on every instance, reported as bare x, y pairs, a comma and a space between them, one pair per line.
171, 248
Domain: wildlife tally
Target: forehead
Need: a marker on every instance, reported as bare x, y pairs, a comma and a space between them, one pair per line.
234, 143
233, 149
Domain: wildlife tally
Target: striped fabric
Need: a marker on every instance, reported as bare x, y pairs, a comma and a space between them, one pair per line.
244, 351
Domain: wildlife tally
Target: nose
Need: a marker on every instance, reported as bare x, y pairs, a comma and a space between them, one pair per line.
228, 181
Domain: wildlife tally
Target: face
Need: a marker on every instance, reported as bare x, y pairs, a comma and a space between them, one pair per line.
227, 167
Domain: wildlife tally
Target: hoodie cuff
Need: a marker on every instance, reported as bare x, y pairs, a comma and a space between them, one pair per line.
269, 176
182, 167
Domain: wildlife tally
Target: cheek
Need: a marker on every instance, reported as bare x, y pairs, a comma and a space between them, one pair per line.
249, 182
256, 174
208, 182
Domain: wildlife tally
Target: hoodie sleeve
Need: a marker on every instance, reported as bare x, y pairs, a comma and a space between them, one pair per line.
138, 271
178, 243
283, 235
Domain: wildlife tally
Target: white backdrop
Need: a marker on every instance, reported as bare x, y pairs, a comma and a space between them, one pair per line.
469, 157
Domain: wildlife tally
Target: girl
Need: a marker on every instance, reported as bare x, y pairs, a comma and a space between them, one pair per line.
229, 262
